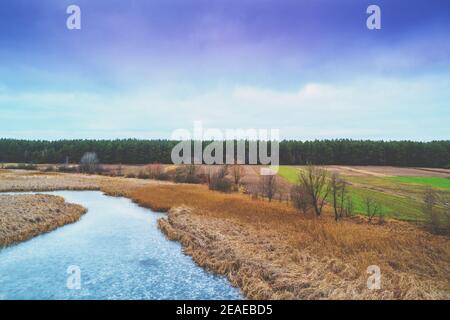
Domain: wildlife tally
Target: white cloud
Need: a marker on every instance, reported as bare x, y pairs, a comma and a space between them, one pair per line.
368, 108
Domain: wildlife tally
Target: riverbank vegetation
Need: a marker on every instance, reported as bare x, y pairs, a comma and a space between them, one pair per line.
272, 250
25, 216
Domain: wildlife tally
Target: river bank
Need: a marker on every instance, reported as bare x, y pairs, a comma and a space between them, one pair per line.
271, 251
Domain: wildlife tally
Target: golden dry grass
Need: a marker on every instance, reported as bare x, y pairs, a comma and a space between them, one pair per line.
272, 252
25, 216
19, 180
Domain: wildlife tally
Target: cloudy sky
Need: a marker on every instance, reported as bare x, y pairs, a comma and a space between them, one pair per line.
143, 69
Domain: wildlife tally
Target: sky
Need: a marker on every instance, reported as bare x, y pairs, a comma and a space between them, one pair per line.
144, 69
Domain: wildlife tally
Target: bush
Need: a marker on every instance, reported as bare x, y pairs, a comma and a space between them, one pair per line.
143, 175
300, 198
156, 171
221, 184
187, 174
348, 209
89, 163
68, 169
21, 166
49, 169
218, 181
373, 208
437, 210
268, 185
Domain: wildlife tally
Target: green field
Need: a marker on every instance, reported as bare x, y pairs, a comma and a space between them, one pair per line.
400, 197
439, 183
290, 174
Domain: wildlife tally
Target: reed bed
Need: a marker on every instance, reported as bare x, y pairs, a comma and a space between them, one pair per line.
25, 216
271, 251
20, 180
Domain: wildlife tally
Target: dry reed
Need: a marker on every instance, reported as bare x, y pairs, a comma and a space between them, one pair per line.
25, 216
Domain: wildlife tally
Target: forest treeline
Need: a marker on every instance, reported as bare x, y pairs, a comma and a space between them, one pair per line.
133, 151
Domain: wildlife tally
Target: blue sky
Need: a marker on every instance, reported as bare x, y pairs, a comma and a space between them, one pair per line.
143, 69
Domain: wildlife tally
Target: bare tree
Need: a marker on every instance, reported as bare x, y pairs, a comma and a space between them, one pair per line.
348, 210
430, 200
217, 180
89, 162
373, 208
223, 171
338, 188
300, 198
268, 185
187, 174
315, 184
238, 172
119, 170
444, 201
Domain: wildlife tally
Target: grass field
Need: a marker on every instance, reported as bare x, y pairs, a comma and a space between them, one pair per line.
399, 196
289, 173
440, 183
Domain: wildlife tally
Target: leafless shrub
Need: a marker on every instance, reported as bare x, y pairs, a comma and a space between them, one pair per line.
338, 189
237, 172
373, 208
268, 186
314, 182
156, 171
348, 209
143, 175
187, 174
437, 210
300, 198
119, 171
68, 169
50, 169
89, 163
217, 180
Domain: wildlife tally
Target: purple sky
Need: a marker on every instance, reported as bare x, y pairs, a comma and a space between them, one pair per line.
142, 69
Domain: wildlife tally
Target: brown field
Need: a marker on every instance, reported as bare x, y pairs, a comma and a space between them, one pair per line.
378, 171
21, 180
25, 216
252, 170
271, 251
